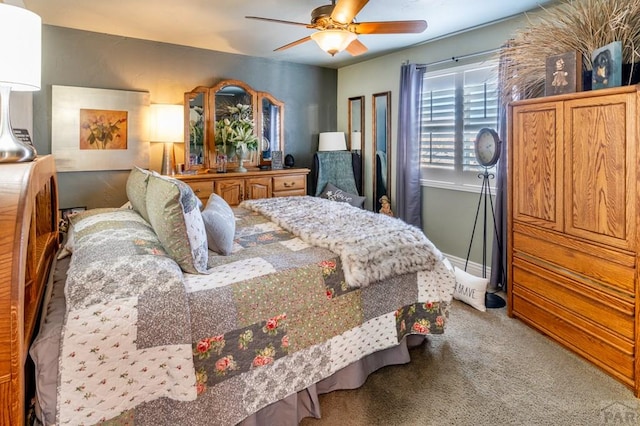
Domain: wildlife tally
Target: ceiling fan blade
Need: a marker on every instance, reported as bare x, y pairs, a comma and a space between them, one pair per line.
389, 27
356, 48
280, 21
293, 43
346, 10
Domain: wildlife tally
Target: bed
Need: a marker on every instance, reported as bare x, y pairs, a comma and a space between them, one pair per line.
143, 328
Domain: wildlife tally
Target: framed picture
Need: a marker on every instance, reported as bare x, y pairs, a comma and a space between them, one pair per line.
276, 160
607, 66
99, 129
563, 73
23, 136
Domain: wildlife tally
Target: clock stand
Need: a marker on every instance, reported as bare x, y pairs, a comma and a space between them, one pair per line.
492, 300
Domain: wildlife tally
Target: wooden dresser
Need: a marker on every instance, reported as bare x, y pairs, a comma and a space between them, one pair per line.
28, 243
573, 224
235, 187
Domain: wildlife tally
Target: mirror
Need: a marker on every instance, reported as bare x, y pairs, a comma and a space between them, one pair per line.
205, 106
196, 112
230, 93
271, 121
356, 132
381, 147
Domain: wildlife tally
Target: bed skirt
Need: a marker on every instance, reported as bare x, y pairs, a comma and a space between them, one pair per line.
305, 403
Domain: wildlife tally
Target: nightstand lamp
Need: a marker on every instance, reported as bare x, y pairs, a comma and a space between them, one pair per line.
332, 141
167, 126
21, 46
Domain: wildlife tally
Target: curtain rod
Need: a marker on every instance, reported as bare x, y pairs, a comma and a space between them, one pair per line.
457, 58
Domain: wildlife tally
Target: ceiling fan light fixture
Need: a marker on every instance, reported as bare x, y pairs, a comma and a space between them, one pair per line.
333, 41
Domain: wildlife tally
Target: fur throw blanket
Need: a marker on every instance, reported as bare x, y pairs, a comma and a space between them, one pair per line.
371, 246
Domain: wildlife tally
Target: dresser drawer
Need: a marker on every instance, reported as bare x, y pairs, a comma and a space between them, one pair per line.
202, 189
607, 350
295, 183
583, 298
611, 268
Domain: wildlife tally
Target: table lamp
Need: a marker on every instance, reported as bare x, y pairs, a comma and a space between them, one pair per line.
21, 46
332, 141
167, 126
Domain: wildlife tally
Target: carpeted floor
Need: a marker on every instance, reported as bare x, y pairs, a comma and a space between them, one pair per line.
487, 369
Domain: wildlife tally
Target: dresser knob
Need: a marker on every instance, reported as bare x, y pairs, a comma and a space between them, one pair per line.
289, 184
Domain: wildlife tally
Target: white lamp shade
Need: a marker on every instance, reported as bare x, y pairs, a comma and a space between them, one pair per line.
333, 41
21, 47
332, 141
356, 141
166, 123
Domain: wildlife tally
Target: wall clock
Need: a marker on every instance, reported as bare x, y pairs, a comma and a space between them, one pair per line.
487, 146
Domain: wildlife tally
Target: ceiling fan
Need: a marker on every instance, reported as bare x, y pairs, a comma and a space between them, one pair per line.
337, 30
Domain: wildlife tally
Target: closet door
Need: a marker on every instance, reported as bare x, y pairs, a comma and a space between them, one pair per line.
601, 170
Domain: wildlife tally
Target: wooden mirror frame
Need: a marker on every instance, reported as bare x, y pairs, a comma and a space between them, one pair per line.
189, 164
356, 124
381, 129
278, 143
209, 114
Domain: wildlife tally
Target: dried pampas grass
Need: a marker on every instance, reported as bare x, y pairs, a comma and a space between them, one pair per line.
576, 25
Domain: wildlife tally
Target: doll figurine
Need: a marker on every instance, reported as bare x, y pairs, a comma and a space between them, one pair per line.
386, 206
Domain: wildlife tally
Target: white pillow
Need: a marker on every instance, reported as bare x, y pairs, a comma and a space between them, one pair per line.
470, 289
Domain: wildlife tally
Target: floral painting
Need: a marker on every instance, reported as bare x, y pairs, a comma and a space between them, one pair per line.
99, 129
103, 129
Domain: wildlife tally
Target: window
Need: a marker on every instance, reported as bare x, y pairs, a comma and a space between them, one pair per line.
456, 104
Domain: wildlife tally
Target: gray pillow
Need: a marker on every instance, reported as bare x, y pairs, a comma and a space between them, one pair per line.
137, 190
175, 217
219, 224
332, 192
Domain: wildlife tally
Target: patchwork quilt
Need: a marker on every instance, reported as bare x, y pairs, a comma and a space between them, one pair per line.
145, 344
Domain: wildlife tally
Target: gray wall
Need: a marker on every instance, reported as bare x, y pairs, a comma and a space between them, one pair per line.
85, 59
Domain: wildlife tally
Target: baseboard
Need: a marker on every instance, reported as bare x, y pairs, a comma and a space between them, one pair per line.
472, 267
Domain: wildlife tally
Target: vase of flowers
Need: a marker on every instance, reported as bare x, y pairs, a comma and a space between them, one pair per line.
234, 133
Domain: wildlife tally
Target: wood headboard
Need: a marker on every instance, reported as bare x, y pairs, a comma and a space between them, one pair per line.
28, 244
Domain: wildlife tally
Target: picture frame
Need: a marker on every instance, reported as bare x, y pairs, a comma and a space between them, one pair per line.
276, 160
79, 117
563, 73
606, 64
23, 136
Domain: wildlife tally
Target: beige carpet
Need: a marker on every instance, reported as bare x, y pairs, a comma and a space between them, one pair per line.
487, 369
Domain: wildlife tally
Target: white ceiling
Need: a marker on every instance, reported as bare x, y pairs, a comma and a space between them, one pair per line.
221, 25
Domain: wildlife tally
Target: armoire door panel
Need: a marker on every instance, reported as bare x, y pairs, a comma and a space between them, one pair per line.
600, 172
538, 186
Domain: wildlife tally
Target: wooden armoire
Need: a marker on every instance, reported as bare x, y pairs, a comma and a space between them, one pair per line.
573, 225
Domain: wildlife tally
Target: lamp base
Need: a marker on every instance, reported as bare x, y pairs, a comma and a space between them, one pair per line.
168, 160
12, 150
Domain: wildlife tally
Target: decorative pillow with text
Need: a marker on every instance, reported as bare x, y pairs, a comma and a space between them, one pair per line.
333, 193
470, 289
